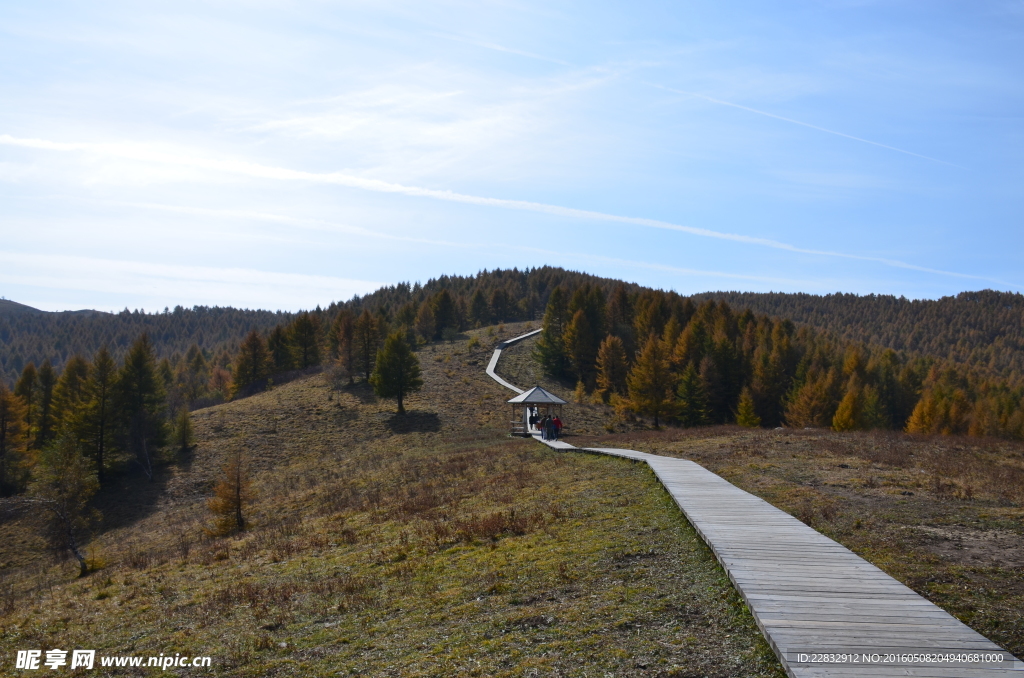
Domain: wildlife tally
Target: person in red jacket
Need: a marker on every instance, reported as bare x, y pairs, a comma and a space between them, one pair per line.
558, 426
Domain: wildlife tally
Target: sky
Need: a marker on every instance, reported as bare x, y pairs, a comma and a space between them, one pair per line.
283, 155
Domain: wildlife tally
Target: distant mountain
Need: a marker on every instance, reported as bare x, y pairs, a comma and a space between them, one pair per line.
30, 335
13, 308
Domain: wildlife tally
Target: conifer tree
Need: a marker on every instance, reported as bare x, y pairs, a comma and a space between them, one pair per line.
231, 496
550, 348
183, 436
650, 382
343, 334
814, 403
612, 367
193, 375
746, 415
304, 339
581, 346
70, 392
252, 366
501, 305
280, 350
47, 381
620, 319
425, 325
693, 399
12, 439
367, 341
397, 371
445, 313
651, 315
62, 488
140, 403
479, 310
27, 389
925, 415
97, 423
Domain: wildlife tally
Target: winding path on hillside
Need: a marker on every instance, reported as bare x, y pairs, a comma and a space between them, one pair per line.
824, 610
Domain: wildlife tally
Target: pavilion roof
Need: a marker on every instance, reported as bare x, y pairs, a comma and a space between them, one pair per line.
537, 396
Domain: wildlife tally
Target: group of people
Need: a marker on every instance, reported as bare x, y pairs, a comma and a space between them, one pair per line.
550, 427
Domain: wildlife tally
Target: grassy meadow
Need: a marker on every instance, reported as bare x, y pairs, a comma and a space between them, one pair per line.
424, 545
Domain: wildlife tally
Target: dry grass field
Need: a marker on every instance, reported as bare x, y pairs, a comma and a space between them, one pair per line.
943, 515
424, 545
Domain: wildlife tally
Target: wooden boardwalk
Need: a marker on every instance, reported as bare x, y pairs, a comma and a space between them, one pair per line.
811, 596
497, 354
825, 611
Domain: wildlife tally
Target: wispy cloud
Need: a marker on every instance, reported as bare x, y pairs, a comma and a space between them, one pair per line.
799, 122
498, 48
153, 154
164, 283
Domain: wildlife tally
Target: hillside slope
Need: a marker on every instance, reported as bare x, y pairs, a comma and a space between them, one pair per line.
430, 544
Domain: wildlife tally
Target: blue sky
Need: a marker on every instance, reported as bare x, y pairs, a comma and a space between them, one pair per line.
284, 155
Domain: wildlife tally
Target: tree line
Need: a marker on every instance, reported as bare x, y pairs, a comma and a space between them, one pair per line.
983, 330
110, 412
661, 355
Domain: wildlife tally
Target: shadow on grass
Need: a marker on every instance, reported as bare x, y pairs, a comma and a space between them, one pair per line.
362, 392
415, 422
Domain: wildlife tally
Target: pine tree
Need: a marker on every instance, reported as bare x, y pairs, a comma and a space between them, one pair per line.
612, 367
479, 310
814, 403
70, 392
425, 325
304, 339
693, 399
620, 319
97, 424
550, 348
193, 375
501, 305
650, 382
231, 496
12, 439
367, 341
397, 371
581, 346
343, 333
925, 415
252, 366
62, 488
27, 389
47, 381
849, 414
445, 314
183, 436
746, 415
280, 350
140, 403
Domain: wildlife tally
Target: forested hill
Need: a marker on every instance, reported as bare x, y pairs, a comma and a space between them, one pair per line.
30, 335
983, 329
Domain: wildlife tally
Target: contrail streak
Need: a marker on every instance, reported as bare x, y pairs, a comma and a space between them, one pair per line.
334, 227
144, 153
804, 124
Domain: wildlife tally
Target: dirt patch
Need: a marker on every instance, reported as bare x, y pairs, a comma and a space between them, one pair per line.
967, 546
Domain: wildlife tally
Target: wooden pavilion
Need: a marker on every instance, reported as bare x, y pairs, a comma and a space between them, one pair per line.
545, 402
